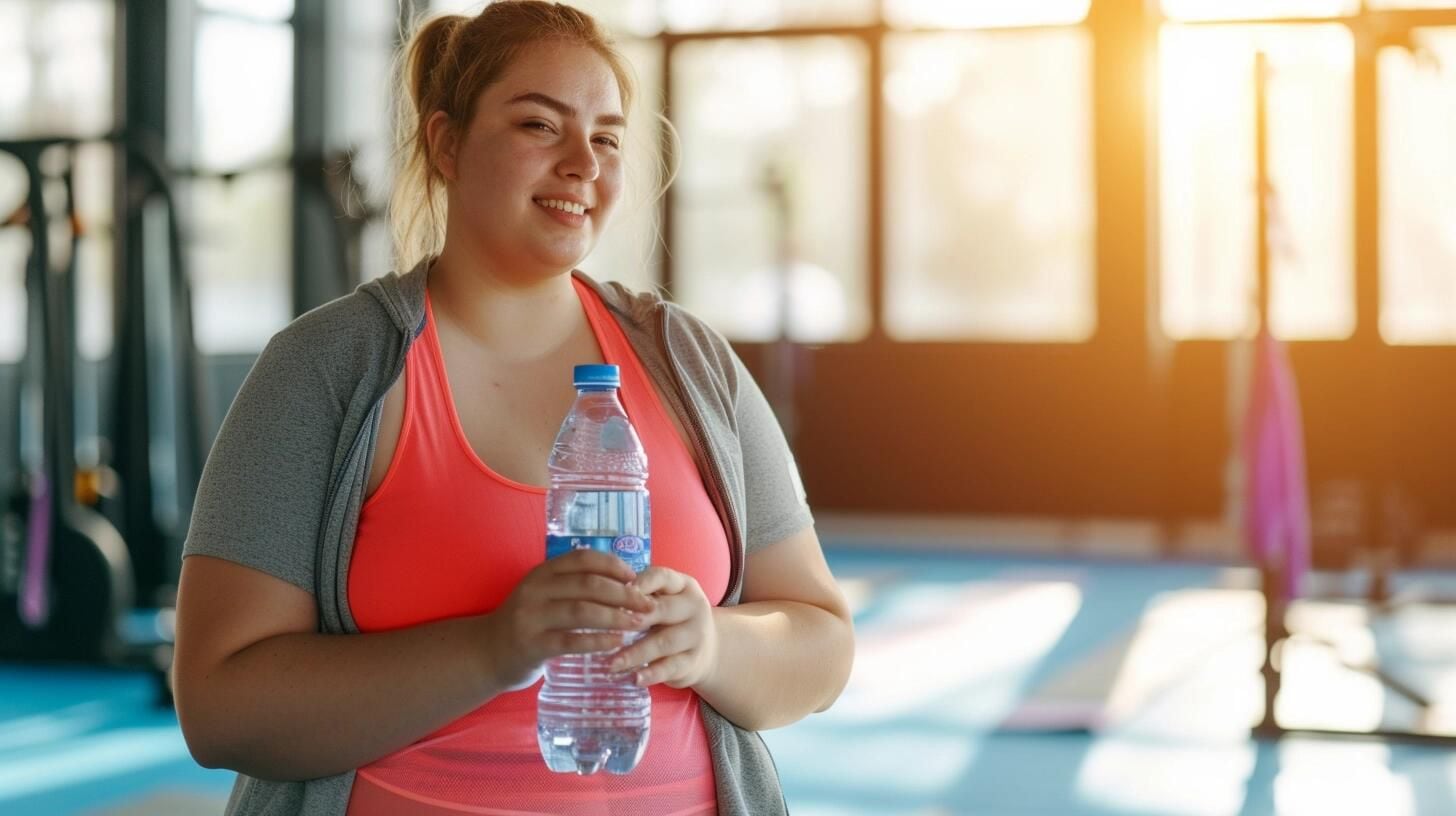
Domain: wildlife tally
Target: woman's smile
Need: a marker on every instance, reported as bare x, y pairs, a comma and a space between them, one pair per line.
564, 212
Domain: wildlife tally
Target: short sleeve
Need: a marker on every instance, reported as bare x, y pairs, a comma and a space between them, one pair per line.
261, 498
776, 503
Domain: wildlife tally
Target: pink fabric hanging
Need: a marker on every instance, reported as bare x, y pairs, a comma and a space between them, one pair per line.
1276, 497
35, 602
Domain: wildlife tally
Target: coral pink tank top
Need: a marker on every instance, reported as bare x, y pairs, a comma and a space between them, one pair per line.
445, 536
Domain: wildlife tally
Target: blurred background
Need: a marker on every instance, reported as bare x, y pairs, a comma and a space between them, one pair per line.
997, 264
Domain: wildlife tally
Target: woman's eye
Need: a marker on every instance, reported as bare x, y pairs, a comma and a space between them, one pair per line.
537, 126
609, 142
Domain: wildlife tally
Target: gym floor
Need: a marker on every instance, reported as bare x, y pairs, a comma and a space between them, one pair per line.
983, 685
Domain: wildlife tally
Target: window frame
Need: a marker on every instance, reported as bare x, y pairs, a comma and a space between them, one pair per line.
1372, 30
873, 37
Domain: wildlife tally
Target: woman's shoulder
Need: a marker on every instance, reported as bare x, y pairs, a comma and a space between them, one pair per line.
649, 308
377, 314
356, 317
701, 351
342, 340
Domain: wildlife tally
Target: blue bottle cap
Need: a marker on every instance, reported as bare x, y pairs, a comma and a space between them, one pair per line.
596, 376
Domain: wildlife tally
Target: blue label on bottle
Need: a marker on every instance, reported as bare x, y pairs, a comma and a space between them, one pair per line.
635, 550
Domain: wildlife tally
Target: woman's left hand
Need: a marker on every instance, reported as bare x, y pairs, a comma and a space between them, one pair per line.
681, 647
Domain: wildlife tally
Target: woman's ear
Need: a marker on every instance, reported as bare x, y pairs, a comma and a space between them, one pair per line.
441, 139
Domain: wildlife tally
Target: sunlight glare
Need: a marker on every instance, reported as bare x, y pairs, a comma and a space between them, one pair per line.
1177, 635
244, 116
1256, 9
14, 249
87, 759
1320, 777
1155, 777
1208, 227
1417, 198
988, 630
905, 761
984, 14
1318, 691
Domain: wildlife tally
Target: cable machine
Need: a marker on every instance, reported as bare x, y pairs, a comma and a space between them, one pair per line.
76, 594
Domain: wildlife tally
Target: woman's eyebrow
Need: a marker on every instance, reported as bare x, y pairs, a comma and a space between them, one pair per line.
612, 119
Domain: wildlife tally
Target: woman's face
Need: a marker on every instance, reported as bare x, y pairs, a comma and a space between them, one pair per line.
535, 177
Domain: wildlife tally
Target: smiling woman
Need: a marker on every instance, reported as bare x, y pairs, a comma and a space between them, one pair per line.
365, 602
446, 119
522, 150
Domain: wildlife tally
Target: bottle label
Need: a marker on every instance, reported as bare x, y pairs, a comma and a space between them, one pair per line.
635, 550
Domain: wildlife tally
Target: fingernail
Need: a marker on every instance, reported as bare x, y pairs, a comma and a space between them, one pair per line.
640, 679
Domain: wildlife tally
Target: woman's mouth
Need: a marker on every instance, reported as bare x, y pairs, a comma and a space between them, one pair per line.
569, 213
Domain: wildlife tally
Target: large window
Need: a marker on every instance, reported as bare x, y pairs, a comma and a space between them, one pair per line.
239, 210
56, 80
629, 250
55, 67
1256, 9
1410, 4
771, 199
1206, 165
1207, 180
696, 15
996, 13
14, 249
361, 41
1418, 189
986, 211
989, 205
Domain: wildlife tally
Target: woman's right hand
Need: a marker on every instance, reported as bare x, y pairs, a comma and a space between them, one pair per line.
584, 589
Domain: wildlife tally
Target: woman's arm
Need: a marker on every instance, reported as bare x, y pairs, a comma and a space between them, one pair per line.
783, 653
786, 650
259, 691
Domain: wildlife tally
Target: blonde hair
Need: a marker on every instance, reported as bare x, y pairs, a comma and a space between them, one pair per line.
447, 62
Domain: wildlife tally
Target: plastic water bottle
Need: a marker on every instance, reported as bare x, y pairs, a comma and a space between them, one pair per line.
586, 719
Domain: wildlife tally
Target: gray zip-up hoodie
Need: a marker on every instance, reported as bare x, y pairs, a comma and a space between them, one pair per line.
287, 476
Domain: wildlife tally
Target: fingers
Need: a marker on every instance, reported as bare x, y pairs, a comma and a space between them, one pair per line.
591, 561
567, 642
665, 642
596, 588
576, 613
671, 670
672, 609
661, 580
580, 603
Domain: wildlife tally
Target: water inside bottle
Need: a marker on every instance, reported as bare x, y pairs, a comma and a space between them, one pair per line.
587, 719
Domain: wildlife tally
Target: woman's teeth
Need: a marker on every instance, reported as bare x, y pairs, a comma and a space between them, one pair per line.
564, 206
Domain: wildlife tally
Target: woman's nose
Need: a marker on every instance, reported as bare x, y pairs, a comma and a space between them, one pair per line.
580, 161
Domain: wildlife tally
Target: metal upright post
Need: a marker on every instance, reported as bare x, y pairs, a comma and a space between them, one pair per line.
142, 102
1270, 583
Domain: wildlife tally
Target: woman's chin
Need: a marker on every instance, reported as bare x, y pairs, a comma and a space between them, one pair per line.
562, 259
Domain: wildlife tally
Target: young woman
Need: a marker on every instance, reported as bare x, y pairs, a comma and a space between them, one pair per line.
365, 602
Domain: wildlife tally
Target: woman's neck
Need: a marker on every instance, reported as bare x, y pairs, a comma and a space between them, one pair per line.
522, 318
